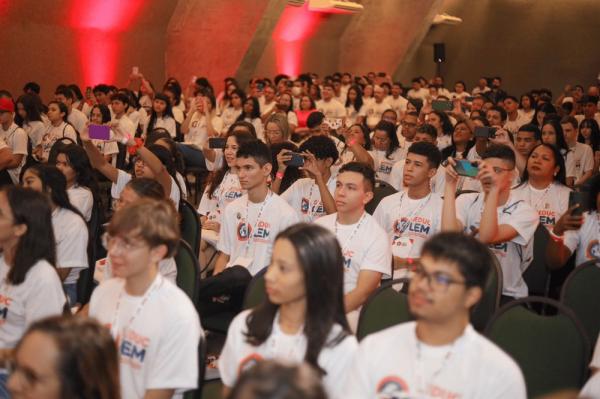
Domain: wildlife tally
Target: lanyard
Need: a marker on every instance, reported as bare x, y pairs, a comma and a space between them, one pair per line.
422, 383
114, 329
349, 240
250, 229
539, 201
406, 222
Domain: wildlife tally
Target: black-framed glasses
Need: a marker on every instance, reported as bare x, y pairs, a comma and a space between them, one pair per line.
436, 280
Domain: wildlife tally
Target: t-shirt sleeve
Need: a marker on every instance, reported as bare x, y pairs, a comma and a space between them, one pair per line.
587, 160
71, 250
227, 234
20, 143
363, 111
570, 164
207, 204
70, 133
524, 220
291, 196
379, 214
176, 362
463, 203
357, 384
46, 297
338, 367
228, 361
396, 175
572, 238
379, 254
292, 118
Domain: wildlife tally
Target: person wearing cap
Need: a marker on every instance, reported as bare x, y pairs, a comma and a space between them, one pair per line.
15, 139
590, 109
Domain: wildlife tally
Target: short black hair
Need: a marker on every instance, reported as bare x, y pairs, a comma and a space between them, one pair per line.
428, 129
531, 128
65, 91
255, 149
315, 119
428, 150
500, 110
32, 86
509, 97
473, 259
361, 168
124, 98
101, 88
570, 120
322, 147
500, 151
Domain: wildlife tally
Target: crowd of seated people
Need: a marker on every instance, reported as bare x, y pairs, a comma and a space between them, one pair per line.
293, 172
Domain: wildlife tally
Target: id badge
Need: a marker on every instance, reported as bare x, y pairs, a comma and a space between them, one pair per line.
243, 261
402, 247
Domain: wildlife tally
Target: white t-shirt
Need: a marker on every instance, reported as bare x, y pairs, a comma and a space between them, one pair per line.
331, 108
586, 240
123, 178
35, 130
53, 134
163, 122
82, 199
178, 113
40, 295
365, 246
126, 126
397, 104
550, 203
229, 116
71, 234
351, 115
372, 112
158, 337
513, 255
581, 160
305, 198
394, 364
77, 119
225, 193
444, 141
15, 139
238, 355
383, 164
198, 133
420, 94
459, 96
409, 222
514, 126
248, 233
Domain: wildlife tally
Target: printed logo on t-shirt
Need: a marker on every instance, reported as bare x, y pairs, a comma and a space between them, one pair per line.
418, 226
547, 217
231, 195
500, 249
243, 231
385, 168
593, 250
392, 387
248, 362
132, 348
347, 254
317, 207
5, 302
262, 233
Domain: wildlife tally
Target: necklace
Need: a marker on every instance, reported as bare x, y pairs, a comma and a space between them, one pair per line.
421, 371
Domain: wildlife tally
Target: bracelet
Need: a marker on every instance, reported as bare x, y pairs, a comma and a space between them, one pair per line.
555, 237
279, 175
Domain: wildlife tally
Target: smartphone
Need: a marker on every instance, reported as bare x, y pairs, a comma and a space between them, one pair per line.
334, 123
99, 132
438, 105
485, 131
135, 70
260, 86
464, 167
469, 99
296, 161
216, 142
581, 198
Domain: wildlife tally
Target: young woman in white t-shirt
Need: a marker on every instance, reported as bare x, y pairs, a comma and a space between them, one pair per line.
354, 102
28, 117
29, 285
70, 230
58, 128
357, 146
82, 186
251, 114
444, 128
589, 133
161, 116
386, 150
67, 358
543, 184
100, 115
302, 317
231, 113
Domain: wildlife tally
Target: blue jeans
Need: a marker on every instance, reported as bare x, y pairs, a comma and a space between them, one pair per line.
71, 291
4, 394
192, 156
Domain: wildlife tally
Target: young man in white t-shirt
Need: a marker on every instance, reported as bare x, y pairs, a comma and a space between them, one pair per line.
414, 214
15, 139
312, 197
439, 355
329, 106
514, 120
154, 323
373, 110
495, 216
365, 245
249, 226
75, 117
119, 103
580, 155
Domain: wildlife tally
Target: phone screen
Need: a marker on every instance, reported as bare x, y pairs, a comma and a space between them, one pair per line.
99, 132
464, 167
296, 161
580, 198
442, 105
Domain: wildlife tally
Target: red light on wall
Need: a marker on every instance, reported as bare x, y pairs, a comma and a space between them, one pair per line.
98, 24
296, 25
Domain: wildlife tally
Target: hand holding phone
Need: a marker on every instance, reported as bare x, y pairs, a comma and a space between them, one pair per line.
580, 200
464, 167
99, 132
485, 132
296, 160
443, 106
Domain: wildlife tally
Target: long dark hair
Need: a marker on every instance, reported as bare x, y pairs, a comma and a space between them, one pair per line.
33, 210
561, 143
451, 150
79, 161
168, 111
366, 135
87, 364
321, 259
291, 173
163, 134
255, 110
594, 136
30, 105
104, 111
54, 184
447, 127
358, 103
390, 131
559, 161
216, 178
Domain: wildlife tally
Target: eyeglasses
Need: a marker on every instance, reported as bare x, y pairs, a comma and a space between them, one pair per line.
437, 281
497, 170
109, 242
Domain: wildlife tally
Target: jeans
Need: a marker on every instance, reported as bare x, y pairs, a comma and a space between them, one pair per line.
4, 394
71, 292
